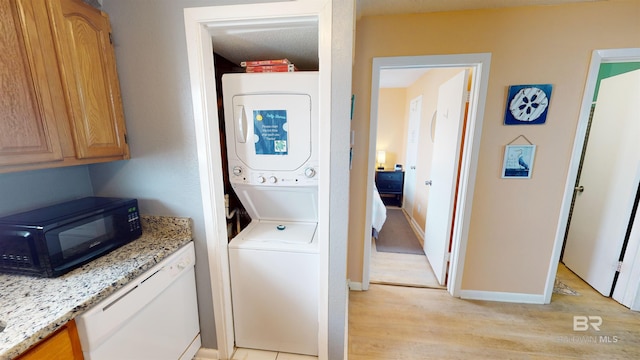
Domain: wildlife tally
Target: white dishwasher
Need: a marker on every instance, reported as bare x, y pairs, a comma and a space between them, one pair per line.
153, 317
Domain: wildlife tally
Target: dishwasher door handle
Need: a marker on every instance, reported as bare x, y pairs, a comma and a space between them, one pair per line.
116, 300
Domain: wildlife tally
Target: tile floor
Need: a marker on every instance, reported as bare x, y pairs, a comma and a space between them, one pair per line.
250, 354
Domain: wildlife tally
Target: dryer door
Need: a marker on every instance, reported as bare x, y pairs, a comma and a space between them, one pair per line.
272, 131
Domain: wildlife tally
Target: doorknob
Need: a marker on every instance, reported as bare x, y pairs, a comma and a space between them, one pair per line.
579, 188
428, 182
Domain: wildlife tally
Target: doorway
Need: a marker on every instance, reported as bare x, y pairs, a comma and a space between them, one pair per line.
602, 271
607, 188
200, 24
407, 135
479, 65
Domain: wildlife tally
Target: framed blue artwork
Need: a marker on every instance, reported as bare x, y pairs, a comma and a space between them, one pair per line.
527, 104
518, 161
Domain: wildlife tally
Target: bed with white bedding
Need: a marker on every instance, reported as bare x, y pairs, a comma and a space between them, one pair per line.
378, 213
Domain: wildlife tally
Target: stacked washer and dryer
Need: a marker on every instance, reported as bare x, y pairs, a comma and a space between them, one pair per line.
271, 122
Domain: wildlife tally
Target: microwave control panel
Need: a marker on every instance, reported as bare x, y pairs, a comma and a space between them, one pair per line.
134, 219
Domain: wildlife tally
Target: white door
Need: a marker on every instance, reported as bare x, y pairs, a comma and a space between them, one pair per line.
607, 185
409, 191
444, 172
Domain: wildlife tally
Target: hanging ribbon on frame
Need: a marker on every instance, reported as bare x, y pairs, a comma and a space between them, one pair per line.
518, 159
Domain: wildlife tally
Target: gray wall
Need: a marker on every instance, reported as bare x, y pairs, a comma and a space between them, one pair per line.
151, 56
163, 174
27, 190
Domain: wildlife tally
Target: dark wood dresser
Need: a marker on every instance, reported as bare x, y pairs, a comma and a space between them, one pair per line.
390, 185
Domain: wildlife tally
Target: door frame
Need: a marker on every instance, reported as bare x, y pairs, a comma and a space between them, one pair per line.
480, 64
597, 57
200, 23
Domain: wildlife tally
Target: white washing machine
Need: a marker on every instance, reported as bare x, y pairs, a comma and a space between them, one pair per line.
271, 122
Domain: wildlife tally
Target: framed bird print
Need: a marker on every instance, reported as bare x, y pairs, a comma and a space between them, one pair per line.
518, 161
527, 104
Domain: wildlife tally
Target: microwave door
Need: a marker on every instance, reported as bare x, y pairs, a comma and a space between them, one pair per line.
80, 240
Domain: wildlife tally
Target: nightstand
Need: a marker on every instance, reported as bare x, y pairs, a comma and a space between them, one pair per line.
390, 185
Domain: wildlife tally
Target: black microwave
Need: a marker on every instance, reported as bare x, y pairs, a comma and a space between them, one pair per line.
54, 240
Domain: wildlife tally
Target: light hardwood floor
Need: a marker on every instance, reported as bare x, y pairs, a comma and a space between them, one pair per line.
393, 322
401, 269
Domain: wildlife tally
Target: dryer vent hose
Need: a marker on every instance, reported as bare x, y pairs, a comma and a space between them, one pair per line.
230, 215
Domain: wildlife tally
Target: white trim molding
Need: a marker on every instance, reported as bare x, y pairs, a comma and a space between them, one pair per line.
355, 286
206, 354
502, 296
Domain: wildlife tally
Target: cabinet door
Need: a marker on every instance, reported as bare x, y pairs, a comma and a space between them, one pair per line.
64, 344
28, 131
90, 81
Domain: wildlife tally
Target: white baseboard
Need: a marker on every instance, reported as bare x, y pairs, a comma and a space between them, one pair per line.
502, 296
355, 286
346, 325
417, 230
206, 354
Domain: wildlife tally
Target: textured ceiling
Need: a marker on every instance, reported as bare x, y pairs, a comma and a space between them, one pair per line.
295, 40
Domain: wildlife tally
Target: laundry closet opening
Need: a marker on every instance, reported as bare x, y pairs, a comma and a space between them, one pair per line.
268, 111
298, 31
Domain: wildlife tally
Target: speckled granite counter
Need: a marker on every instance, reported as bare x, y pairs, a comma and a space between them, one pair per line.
33, 308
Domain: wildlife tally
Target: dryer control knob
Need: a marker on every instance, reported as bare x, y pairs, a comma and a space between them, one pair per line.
309, 172
261, 179
237, 170
273, 179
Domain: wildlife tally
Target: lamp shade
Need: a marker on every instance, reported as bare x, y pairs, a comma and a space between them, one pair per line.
381, 157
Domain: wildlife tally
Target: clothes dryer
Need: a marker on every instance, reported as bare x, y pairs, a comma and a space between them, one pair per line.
271, 124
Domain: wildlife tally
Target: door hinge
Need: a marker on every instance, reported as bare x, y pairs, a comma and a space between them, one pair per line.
619, 268
111, 38
126, 139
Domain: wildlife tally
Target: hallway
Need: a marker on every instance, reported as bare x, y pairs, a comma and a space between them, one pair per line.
393, 322
401, 268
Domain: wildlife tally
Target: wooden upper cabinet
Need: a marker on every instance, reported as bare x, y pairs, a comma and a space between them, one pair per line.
28, 132
89, 78
59, 93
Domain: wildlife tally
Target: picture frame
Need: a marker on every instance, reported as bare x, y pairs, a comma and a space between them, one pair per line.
518, 161
527, 104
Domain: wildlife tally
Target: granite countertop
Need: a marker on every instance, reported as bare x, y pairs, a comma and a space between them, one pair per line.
33, 307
